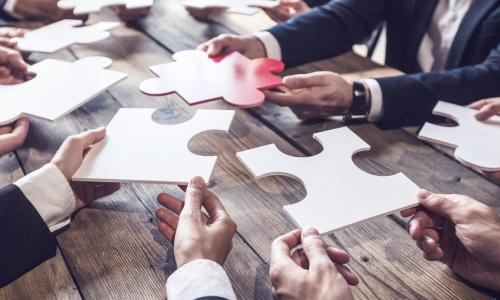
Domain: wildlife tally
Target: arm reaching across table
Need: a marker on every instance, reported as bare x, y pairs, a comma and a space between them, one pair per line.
460, 232
201, 241
41, 203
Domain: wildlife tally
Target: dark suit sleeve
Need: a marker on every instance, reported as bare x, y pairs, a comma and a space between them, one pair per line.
409, 99
328, 30
25, 239
314, 3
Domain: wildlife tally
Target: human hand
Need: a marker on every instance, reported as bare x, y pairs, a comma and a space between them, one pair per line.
460, 232
248, 45
314, 95
68, 159
13, 68
286, 9
128, 15
8, 33
487, 108
195, 234
319, 274
13, 135
46, 10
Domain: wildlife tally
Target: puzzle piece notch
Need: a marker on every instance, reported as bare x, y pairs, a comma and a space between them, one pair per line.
58, 88
137, 149
476, 143
82, 7
233, 77
331, 202
64, 33
246, 7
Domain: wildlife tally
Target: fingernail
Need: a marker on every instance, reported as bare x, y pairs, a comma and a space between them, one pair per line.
424, 194
310, 232
197, 182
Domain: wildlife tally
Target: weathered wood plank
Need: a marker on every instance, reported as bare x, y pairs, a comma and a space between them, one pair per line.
49, 280
259, 216
379, 164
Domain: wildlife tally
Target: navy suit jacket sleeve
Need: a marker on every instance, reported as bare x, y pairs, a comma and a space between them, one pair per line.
328, 30
25, 239
314, 3
410, 99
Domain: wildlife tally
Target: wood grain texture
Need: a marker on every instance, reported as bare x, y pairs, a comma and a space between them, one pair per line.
51, 279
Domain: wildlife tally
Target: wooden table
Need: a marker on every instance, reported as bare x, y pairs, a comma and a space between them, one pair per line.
112, 250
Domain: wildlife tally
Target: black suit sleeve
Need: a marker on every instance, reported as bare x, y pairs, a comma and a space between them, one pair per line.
25, 239
328, 30
409, 99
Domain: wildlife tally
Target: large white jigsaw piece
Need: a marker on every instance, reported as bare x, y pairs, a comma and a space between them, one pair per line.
62, 34
82, 7
338, 193
137, 149
58, 88
477, 143
246, 7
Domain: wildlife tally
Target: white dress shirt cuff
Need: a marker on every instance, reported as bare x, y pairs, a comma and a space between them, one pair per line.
199, 278
377, 105
9, 8
271, 44
49, 192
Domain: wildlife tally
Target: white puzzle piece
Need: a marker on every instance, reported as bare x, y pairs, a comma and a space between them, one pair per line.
58, 35
58, 88
246, 7
338, 193
83, 7
137, 149
477, 143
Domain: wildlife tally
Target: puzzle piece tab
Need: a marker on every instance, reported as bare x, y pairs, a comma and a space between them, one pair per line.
198, 78
83, 7
58, 88
64, 33
338, 193
136, 149
246, 7
477, 143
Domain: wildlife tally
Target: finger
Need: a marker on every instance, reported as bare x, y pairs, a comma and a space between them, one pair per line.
281, 247
14, 139
418, 223
106, 189
437, 255
428, 244
448, 206
214, 207
478, 104
171, 202
167, 231
217, 46
488, 111
7, 42
15, 59
349, 276
338, 256
302, 81
167, 217
315, 249
194, 198
300, 258
90, 137
291, 98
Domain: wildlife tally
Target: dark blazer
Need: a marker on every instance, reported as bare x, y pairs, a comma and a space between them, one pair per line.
25, 239
472, 70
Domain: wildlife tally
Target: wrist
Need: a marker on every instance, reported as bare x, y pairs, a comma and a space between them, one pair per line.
257, 46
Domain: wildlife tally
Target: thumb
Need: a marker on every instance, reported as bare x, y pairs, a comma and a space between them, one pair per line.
194, 198
488, 111
448, 206
314, 247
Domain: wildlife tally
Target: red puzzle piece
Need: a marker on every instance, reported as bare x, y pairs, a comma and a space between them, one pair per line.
197, 78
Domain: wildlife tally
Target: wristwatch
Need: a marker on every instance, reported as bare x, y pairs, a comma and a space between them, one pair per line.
361, 99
